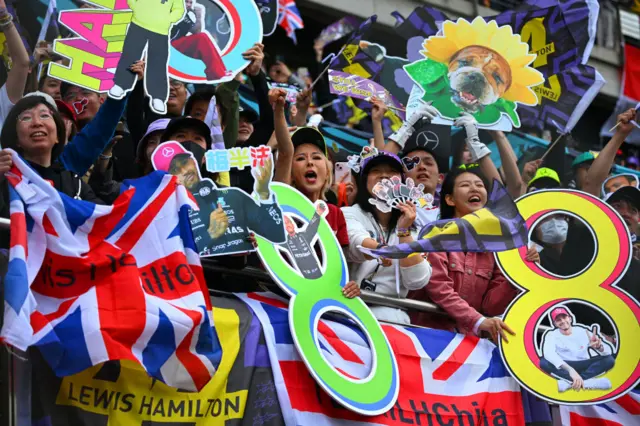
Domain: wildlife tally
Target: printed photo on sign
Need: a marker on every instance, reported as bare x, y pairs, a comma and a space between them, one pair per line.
615, 182
577, 345
176, 38
470, 73
576, 317
227, 216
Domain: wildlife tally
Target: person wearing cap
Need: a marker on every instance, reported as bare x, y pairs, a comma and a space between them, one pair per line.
626, 201
632, 163
70, 119
469, 286
544, 178
574, 354
371, 228
303, 163
226, 216
581, 165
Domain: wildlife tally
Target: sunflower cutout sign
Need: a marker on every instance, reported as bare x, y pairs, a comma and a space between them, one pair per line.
479, 68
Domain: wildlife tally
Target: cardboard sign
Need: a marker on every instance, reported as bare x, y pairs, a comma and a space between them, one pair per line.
227, 216
477, 68
174, 39
315, 289
558, 354
344, 84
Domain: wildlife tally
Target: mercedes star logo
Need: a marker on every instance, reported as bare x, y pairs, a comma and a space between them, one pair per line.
167, 151
428, 139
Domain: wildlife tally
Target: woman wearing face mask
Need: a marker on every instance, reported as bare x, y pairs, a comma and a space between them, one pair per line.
469, 286
372, 228
35, 130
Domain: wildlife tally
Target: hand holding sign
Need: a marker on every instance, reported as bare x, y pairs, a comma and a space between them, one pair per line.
256, 56
379, 109
277, 97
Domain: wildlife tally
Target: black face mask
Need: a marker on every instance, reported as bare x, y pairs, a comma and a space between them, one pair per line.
197, 151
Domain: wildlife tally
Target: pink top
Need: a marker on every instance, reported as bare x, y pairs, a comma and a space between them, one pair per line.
467, 286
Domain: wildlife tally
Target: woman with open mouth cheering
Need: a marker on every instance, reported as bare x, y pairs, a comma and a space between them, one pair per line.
469, 286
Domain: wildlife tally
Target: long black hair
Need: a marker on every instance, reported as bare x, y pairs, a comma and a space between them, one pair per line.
362, 198
447, 211
9, 135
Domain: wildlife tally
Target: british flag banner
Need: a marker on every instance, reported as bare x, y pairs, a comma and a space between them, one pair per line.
89, 283
289, 18
445, 378
624, 411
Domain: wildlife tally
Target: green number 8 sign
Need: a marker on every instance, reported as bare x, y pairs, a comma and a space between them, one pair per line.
311, 298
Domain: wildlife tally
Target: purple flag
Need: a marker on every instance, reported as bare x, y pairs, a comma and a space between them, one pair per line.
338, 29
465, 234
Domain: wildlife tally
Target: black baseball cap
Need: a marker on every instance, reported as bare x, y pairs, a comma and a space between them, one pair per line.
630, 194
177, 124
249, 114
309, 135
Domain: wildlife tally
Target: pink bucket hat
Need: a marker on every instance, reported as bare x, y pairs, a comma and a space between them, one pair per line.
164, 153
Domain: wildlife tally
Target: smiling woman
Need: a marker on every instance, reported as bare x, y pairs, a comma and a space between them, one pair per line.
35, 130
469, 286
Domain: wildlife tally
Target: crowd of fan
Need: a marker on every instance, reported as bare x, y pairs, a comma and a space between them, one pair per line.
87, 155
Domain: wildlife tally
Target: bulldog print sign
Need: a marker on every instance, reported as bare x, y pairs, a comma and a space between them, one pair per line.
479, 68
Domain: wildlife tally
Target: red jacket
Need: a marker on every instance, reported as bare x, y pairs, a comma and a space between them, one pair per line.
467, 286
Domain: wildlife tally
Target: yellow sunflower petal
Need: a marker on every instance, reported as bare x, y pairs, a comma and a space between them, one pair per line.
462, 34
522, 61
439, 49
515, 48
521, 94
527, 76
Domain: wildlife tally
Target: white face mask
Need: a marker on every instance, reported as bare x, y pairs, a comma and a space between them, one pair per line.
554, 231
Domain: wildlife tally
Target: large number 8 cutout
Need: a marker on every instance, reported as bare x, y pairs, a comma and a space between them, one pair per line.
595, 285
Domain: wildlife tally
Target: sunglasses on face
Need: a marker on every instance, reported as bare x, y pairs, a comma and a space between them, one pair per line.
412, 162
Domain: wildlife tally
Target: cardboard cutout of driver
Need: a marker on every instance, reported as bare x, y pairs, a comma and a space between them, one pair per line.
227, 216
575, 354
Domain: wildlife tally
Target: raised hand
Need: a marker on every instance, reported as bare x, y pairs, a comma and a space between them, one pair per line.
533, 255
138, 69
262, 176
277, 97
594, 340
218, 223
379, 109
256, 56
625, 119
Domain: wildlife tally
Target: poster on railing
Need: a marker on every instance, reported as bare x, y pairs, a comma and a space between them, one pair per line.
227, 217
241, 392
576, 324
315, 280
175, 39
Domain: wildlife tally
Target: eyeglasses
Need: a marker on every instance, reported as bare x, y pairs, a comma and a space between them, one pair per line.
28, 118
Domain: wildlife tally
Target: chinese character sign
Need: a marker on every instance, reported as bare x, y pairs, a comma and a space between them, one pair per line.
227, 217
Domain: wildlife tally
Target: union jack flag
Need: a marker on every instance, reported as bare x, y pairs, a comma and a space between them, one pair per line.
445, 378
89, 283
289, 18
621, 412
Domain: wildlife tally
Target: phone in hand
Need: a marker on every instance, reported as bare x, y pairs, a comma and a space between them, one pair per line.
342, 173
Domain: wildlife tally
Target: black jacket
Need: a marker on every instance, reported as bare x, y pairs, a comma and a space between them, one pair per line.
244, 214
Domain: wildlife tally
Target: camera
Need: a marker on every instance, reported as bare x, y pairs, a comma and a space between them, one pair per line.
368, 285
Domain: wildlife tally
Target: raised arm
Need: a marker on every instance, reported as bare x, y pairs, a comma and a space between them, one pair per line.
601, 166
302, 104
277, 97
17, 78
377, 114
479, 152
514, 183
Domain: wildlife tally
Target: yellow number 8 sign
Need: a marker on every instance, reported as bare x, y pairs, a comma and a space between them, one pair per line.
573, 363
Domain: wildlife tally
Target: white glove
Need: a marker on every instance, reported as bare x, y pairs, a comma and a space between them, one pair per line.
477, 149
403, 134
